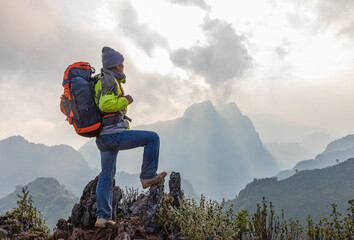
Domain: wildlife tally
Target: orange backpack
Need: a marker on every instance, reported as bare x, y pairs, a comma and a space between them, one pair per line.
77, 103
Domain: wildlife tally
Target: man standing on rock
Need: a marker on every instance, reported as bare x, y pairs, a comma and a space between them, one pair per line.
115, 134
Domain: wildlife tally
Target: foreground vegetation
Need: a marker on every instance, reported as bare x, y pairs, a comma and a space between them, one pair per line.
209, 220
49, 196
27, 215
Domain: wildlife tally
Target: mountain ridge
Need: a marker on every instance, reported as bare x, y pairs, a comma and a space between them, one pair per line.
38, 160
335, 152
308, 192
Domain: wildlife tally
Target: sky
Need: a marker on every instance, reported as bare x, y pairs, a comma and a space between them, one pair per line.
284, 58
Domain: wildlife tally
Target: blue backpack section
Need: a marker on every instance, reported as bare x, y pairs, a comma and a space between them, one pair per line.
86, 113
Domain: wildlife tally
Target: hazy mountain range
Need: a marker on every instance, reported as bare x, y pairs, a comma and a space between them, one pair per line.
273, 129
316, 142
22, 161
288, 154
309, 192
336, 151
214, 147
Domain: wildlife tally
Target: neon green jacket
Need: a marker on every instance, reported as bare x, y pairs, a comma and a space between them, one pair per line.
111, 103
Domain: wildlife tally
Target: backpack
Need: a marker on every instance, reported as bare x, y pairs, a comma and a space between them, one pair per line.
77, 103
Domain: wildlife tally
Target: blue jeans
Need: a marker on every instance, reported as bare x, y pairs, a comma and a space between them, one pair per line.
109, 146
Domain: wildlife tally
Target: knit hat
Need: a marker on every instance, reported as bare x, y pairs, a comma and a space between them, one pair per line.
111, 58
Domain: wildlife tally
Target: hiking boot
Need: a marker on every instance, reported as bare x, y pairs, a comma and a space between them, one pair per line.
148, 182
102, 222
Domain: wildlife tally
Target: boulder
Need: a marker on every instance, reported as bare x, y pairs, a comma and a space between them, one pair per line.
175, 188
135, 215
83, 213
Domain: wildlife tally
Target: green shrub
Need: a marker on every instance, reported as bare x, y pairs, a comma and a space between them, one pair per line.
209, 220
26, 212
201, 221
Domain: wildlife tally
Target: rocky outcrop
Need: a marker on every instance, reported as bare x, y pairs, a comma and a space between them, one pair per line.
135, 215
175, 188
83, 213
11, 228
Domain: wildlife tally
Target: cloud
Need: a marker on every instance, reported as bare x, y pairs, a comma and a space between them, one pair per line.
39, 40
141, 34
281, 52
336, 14
335, 9
198, 3
339, 13
283, 49
223, 58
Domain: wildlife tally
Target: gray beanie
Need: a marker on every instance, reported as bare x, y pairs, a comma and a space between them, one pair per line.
111, 58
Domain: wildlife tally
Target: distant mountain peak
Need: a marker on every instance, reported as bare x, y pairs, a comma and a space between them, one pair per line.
202, 109
49, 181
341, 144
15, 138
228, 110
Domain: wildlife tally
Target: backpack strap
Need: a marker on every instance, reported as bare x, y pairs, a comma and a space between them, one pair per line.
112, 118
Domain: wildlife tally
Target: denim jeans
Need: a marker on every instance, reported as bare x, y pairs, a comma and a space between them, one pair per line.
109, 146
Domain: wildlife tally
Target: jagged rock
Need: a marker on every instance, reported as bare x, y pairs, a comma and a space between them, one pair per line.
117, 196
78, 234
3, 233
62, 230
123, 236
11, 228
140, 232
60, 235
136, 206
137, 217
175, 188
62, 224
148, 213
146, 207
13, 221
83, 213
127, 229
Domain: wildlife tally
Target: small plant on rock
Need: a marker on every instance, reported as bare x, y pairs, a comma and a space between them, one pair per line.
28, 214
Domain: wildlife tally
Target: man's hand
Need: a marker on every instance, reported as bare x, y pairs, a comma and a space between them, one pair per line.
129, 98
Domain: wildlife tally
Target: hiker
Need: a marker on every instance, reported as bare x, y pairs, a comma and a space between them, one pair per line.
115, 134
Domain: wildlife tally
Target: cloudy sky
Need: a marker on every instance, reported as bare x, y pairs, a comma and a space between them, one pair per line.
285, 58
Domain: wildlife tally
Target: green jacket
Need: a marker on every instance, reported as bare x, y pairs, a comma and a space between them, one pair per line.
111, 103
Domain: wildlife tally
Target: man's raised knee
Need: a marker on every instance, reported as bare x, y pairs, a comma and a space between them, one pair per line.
155, 137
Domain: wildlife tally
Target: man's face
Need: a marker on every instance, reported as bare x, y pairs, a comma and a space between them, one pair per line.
120, 67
